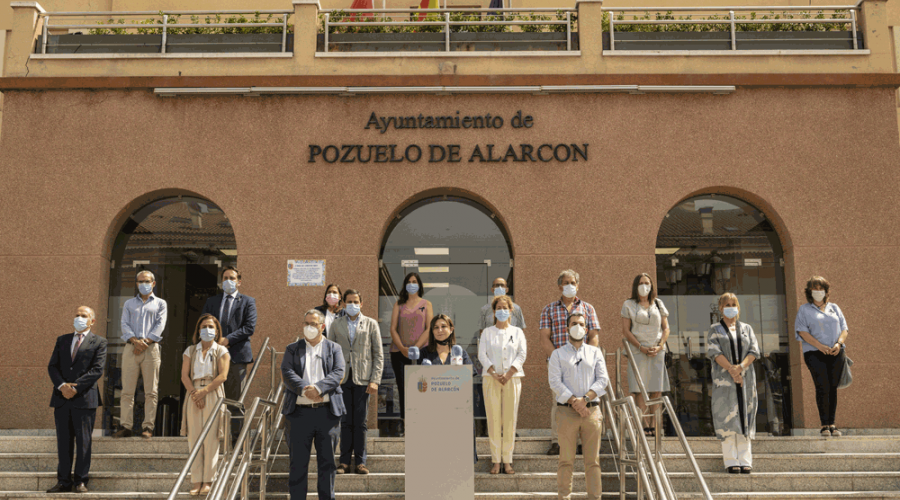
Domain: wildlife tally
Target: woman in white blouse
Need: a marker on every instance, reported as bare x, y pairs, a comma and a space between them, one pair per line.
646, 327
204, 369
502, 352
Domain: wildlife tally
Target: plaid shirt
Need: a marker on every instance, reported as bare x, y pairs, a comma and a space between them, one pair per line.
555, 314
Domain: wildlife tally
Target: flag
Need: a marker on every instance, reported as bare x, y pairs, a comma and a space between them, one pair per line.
361, 4
428, 4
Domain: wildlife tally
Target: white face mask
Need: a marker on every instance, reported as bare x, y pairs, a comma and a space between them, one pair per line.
310, 332
499, 291
81, 324
569, 291
644, 290
818, 295
730, 312
576, 332
207, 334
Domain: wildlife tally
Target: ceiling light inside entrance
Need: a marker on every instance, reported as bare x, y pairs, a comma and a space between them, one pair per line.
437, 285
434, 270
432, 251
666, 251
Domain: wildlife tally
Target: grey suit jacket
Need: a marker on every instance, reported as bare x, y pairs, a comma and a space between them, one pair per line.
365, 358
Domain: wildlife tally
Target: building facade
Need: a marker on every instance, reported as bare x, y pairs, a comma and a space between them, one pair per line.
748, 173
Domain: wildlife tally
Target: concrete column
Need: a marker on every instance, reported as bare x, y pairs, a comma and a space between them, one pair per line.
873, 22
590, 33
306, 20
26, 29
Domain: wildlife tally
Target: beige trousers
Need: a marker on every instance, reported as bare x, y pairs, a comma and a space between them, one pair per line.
501, 404
572, 425
204, 465
554, 427
146, 364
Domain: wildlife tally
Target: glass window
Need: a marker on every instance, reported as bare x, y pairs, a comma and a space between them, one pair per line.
709, 245
184, 242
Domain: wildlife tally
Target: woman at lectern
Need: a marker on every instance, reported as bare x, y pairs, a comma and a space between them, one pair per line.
441, 340
502, 351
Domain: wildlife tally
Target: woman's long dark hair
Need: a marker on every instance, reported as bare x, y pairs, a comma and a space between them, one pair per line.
404, 295
340, 294
635, 296
432, 342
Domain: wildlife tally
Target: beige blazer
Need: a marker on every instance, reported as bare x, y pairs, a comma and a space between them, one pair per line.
365, 358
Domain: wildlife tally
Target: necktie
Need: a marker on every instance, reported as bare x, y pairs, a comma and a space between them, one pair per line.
77, 345
226, 311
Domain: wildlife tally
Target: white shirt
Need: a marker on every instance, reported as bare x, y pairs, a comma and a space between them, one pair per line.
329, 319
502, 349
202, 365
227, 314
569, 379
314, 371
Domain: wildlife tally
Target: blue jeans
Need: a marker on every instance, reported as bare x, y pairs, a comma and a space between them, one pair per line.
353, 423
308, 426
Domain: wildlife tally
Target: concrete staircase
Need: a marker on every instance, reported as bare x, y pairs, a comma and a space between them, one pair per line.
854, 467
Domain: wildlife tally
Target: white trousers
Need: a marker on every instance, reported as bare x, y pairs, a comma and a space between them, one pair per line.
736, 451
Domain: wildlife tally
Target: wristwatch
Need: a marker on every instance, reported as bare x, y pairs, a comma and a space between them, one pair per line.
585, 398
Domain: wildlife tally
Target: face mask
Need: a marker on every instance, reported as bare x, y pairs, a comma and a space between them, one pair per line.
230, 286
412, 288
576, 332
446, 341
499, 291
352, 309
818, 295
502, 314
569, 291
310, 332
643, 290
730, 312
332, 299
81, 324
145, 288
207, 334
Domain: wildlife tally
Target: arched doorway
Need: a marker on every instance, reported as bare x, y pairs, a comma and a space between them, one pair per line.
185, 242
458, 247
708, 245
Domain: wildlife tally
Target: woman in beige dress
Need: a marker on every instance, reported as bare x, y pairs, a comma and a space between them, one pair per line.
204, 369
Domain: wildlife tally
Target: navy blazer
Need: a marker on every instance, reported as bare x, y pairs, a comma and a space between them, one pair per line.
239, 327
292, 373
85, 370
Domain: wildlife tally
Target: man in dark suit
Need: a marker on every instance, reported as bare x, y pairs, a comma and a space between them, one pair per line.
75, 367
312, 370
237, 314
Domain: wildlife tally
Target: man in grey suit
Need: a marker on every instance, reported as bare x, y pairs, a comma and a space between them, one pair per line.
360, 340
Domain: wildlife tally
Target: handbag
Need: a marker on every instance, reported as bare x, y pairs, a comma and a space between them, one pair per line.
846, 377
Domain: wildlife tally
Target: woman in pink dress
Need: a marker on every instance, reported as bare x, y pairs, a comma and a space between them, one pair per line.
409, 323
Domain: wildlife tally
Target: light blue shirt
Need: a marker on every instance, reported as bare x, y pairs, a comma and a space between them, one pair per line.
351, 327
826, 327
575, 372
144, 320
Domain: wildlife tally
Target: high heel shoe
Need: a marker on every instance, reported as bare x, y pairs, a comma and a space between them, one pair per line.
195, 491
205, 489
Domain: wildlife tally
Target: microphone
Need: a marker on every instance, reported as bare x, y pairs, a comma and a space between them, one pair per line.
456, 355
426, 362
413, 353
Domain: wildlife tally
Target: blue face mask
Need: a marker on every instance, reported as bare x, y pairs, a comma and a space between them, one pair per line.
412, 288
502, 314
499, 291
730, 312
145, 288
352, 309
80, 324
230, 286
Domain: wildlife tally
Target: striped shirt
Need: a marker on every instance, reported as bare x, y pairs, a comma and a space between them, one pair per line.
555, 314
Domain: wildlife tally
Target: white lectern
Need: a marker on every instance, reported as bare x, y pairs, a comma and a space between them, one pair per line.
439, 454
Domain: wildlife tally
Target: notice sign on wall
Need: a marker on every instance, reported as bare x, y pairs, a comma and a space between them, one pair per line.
306, 272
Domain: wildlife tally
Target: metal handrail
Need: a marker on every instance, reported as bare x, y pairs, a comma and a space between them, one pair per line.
731, 20
226, 416
660, 404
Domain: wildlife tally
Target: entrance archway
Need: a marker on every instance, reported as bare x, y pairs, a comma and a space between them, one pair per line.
185, 242
708, 245
458, 246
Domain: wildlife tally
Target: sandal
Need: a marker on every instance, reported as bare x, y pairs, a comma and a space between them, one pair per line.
746, 470
826, 431
495, 469
649, 432
835, 432
733, 470
507, 468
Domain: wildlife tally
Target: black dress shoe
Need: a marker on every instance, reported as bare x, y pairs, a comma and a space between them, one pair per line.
554, 449
81, 488
60, 488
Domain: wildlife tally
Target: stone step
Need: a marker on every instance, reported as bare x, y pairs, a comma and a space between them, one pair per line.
810, 495
525, 445
485, 483
712, 462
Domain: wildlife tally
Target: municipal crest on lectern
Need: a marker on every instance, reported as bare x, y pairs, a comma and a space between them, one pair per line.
422, 385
